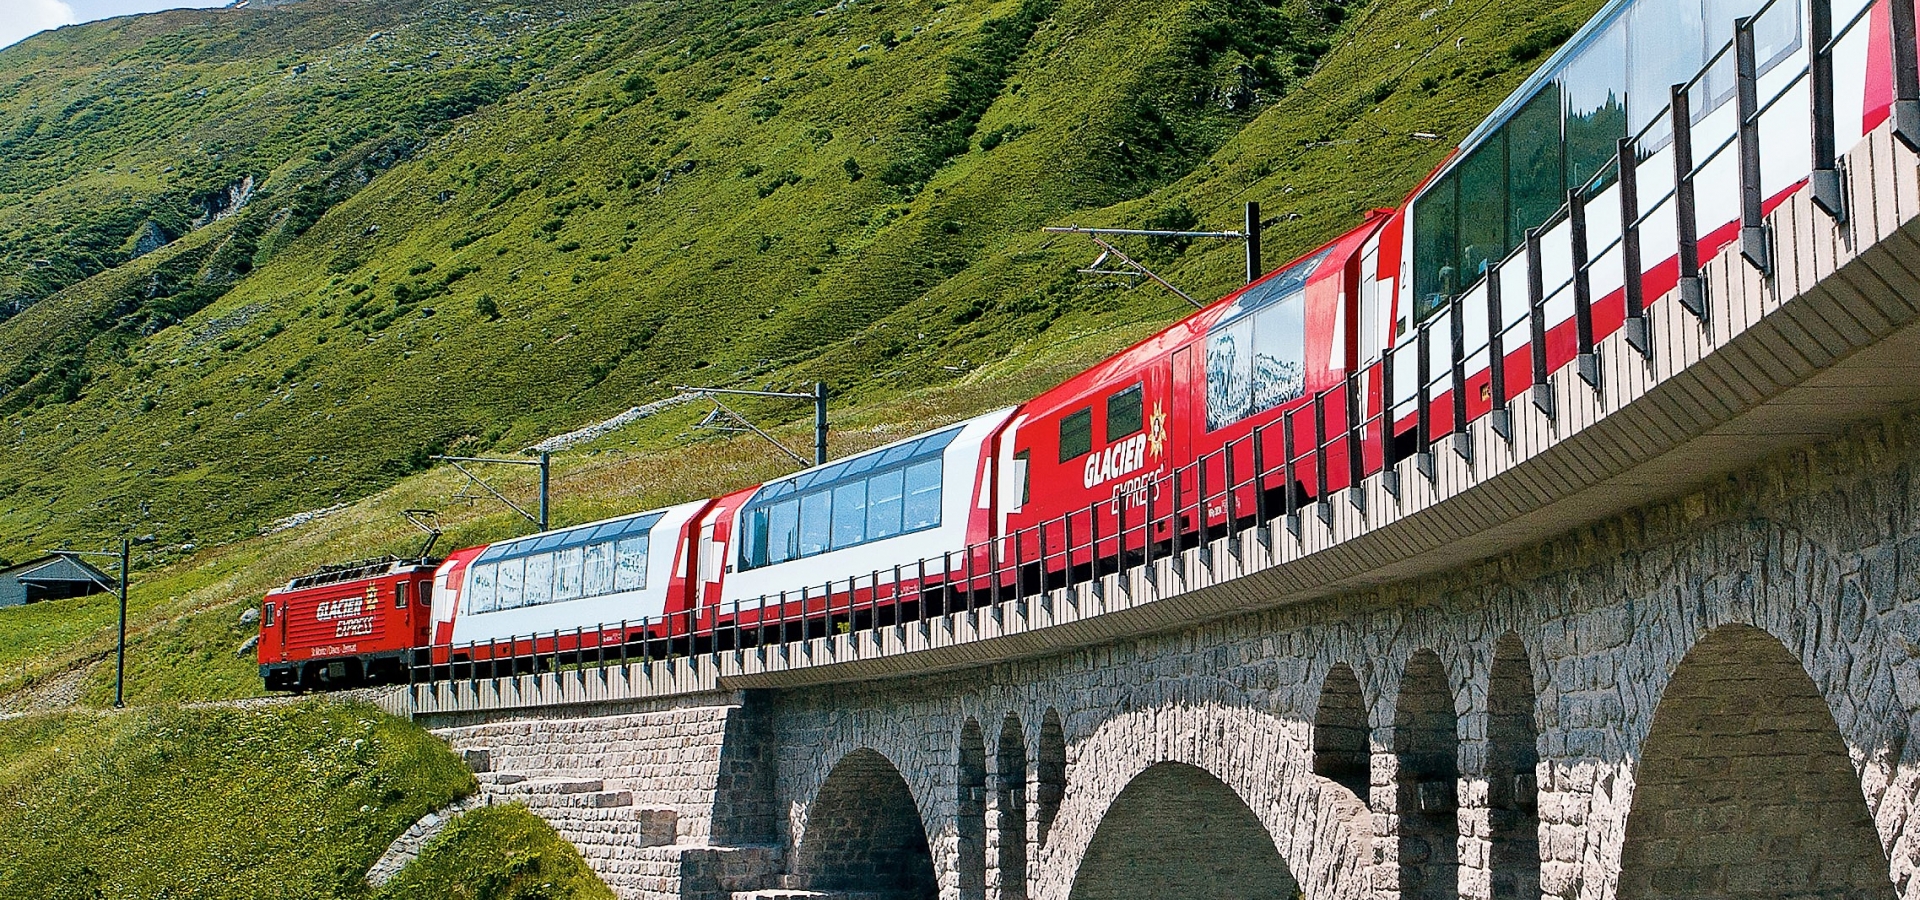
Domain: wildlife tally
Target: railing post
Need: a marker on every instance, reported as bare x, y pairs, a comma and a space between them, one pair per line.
1291, 504
1537, 325
1753, 228
1098, 587
1203, 514
1825, 177
1356, 456
1462, 438
1634, 287
1146, 549
1262, 507
1389, 474
1585, 359
1423, 402
1232, 504
1906, 75
1497, 417
1321, 507
1693, 296
1066, 537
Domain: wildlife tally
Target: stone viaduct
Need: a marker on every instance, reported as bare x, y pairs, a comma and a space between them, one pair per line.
1667, 645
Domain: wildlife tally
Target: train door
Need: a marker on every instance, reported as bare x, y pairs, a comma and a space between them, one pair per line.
710, 560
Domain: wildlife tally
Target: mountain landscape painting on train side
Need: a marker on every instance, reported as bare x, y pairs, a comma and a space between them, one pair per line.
265, 267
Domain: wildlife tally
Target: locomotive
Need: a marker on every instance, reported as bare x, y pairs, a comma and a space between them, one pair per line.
1214, 422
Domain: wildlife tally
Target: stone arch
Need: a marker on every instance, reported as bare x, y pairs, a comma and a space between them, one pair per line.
1010, 799
1050, 774
970, 804
1341, 750
1513, 756
864, 834
1426, 744
1177, 831
1323, 834
1744, 787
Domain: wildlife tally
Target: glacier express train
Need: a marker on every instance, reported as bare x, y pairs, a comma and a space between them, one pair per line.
1335, 366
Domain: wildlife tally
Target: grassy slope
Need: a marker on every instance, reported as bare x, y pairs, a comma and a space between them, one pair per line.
285, 801
712, 282
498, 853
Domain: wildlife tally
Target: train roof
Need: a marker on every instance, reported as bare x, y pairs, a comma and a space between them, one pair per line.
356, 570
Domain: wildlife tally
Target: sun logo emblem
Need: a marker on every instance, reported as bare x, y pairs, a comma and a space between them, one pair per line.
1157, 432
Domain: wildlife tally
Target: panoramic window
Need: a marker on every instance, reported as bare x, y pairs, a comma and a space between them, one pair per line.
868, 498
589, 561
1612, 83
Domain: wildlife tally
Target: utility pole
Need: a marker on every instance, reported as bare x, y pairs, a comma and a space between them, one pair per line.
120, 651
819, 423
124, 557
546, 471
1252, 231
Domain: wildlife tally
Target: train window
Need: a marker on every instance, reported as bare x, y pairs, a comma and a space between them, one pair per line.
1594, 89
1536, 165
1076, 434
783, 532
1229, 373
849, 514
480, 588
596, 570
885, 493
1483, 232
923, 495
1656, 62
1020, 461
566, 573
425, 594
1436, 244
400, 595
630, 563
1279, 353
816, 523
509, 585
539, 587
266, 615
1124, 413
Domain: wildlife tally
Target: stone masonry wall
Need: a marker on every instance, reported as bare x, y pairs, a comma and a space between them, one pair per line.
668, 757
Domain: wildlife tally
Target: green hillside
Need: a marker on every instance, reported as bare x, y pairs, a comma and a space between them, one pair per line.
470, 225
287, 801
474, 225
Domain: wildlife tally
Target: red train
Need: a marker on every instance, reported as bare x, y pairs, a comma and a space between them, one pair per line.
1345, 361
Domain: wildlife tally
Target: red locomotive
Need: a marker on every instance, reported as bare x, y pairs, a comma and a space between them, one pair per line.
1343, 362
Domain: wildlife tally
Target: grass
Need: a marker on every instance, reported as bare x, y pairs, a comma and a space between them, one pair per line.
498, 853
292, 800
663, 196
